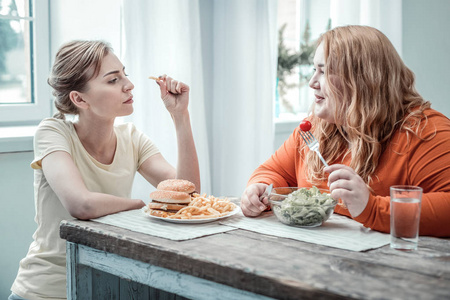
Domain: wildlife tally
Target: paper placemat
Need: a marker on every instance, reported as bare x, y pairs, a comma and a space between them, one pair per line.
338, 232
136, 220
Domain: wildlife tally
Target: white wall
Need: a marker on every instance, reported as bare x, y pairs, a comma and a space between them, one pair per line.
16, 214
426, 48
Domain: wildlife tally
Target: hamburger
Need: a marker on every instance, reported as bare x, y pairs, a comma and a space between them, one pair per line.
176, 185
169, 197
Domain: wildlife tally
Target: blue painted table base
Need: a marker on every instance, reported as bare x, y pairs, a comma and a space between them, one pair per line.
95, 274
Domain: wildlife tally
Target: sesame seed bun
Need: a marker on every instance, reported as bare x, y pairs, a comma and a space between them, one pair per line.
170, 197
177, 185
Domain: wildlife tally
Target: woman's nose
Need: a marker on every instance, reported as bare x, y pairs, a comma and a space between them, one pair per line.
128, 86
314, 83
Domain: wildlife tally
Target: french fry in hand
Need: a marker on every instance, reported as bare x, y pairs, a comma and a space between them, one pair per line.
154, 78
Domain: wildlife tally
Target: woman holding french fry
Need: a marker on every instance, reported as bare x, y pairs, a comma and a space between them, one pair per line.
85, 169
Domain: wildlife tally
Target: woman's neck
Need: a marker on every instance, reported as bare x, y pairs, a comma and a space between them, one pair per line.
98, 138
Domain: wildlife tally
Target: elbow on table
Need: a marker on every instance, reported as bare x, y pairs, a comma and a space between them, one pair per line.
84, 216
82, 209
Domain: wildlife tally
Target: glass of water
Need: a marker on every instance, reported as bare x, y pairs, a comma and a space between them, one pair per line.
405, 215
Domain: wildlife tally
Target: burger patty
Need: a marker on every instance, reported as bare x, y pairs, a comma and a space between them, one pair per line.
170, 197
165, 206
160, 213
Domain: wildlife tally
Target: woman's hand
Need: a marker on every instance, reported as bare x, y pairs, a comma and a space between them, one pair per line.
251, 205
345, 184
175, 94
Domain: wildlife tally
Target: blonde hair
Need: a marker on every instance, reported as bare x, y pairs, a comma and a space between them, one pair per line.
76, 63
375, 97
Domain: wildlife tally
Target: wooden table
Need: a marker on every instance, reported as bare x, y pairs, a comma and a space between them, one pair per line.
108, 262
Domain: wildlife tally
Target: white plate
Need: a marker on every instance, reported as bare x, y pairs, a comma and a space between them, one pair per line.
192, 221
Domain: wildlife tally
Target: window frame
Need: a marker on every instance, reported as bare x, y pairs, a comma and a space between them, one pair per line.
33, 113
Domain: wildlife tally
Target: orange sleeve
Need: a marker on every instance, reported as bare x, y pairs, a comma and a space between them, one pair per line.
427, 164
280, 168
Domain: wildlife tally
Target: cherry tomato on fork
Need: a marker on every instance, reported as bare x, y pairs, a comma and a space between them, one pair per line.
305, 125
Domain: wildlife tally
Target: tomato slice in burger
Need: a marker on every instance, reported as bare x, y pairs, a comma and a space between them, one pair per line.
305, 125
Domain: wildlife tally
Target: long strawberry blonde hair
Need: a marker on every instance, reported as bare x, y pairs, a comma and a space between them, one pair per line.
375, 96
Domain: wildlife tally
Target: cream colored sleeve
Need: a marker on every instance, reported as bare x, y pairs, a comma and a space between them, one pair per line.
52, 135
144, 146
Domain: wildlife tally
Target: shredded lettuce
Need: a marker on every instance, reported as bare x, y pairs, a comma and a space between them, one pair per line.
305, 207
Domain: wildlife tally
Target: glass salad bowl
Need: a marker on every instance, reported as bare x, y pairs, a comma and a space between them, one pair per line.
301, 207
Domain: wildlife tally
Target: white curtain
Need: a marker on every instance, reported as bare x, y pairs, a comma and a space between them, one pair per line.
244, 87
163, 37
385, 15
226, 51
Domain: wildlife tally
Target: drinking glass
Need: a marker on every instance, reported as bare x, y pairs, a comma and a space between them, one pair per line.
406, 202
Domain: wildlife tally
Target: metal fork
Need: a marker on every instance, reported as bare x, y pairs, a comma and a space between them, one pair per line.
312, 143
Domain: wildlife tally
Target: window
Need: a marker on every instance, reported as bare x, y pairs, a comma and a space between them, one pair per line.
300, 23
24, 62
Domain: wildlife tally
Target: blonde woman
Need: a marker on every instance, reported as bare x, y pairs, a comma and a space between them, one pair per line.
85, 169
375, 131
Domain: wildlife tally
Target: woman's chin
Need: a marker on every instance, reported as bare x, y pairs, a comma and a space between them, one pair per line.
324, 115
320, 112
128, 112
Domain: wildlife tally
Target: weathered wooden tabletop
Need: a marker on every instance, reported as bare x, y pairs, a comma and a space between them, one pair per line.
282, 268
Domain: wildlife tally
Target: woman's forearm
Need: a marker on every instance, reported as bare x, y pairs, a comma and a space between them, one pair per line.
188, 167
96, 205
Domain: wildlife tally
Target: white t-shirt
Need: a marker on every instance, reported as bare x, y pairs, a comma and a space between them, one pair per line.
42, 273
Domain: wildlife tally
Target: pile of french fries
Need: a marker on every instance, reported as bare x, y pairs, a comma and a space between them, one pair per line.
203, 207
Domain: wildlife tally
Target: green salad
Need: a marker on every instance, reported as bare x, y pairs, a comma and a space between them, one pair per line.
305, 207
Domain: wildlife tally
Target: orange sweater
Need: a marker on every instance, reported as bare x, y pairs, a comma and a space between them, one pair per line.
414, 162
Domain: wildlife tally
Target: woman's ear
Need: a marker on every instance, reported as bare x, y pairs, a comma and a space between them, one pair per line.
77, 100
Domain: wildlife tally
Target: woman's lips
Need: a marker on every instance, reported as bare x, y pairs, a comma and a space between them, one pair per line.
318, 98
129, 101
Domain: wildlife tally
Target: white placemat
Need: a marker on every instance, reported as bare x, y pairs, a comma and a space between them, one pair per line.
136, 220
338, 232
